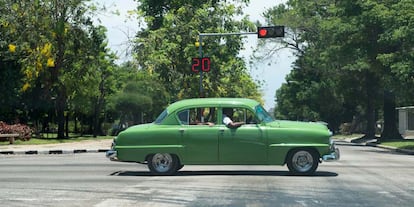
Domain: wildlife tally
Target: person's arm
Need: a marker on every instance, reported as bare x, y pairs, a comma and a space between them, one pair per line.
235, 124
229, 123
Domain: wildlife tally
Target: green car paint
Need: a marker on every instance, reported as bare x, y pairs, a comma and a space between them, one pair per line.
262, 141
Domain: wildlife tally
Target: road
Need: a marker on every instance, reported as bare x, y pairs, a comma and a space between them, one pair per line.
365, 176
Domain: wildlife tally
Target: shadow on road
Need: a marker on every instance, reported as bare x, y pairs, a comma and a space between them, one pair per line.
225, 173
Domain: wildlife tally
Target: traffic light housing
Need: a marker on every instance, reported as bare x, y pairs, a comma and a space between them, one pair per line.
271, 32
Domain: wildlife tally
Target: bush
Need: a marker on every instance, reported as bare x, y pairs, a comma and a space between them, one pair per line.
24, 131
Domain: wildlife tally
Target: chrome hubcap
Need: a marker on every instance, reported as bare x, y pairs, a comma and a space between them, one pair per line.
162, 162
302, 161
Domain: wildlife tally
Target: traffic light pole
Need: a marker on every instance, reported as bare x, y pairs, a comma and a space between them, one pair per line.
200, 51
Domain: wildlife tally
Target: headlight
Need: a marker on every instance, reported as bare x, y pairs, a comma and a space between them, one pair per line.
331, 144
113, 143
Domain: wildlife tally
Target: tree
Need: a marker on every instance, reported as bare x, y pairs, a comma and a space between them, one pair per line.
53, 44
140, 98
10, 86
89, 94
166, 47
396, 58
349, 42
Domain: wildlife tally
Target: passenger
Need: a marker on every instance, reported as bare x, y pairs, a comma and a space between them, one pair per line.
227, 119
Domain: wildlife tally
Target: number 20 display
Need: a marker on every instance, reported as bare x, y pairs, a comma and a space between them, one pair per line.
201, 64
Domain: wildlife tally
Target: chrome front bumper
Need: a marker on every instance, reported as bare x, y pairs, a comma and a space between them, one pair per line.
333, 156
112, 155
334, 153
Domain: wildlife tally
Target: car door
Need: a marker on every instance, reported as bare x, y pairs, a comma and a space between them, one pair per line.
243, 145
199, 136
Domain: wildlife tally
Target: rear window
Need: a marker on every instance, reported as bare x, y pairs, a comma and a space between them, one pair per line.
161, 117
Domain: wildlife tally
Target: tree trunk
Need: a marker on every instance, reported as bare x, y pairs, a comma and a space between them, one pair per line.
76, 130
370, 116
390, 120
67, 125
96, 124
60, 110
370, 111
98, 108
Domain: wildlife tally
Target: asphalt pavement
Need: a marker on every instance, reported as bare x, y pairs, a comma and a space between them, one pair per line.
364, 177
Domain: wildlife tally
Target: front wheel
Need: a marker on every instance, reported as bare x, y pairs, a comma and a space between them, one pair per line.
163, 164
302, 161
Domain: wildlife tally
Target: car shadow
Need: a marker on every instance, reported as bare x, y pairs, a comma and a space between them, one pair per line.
226, 173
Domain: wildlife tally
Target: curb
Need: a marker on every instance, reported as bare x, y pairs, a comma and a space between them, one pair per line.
33, 152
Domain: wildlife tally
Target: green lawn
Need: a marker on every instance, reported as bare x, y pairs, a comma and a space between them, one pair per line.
50, 140
400, 144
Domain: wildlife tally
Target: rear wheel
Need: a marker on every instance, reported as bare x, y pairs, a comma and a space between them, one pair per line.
163, 164
302, 161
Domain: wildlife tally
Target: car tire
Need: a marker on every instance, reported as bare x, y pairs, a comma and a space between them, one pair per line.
302, 161
163, 164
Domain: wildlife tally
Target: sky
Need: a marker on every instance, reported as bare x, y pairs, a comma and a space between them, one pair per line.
121, 29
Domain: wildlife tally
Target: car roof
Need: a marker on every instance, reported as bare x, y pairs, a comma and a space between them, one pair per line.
213, 102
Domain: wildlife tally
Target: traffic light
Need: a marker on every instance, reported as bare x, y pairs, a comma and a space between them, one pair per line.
270, 32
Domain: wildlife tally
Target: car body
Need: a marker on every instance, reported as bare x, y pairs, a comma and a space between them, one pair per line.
191, 132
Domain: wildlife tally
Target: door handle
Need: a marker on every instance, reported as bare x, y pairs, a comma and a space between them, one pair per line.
181, 130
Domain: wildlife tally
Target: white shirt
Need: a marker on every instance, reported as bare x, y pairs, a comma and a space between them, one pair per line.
226, 120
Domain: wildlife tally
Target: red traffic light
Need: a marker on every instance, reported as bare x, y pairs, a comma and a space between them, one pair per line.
262, 32
270, 32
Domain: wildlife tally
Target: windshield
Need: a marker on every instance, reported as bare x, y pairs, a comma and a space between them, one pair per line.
161, 117
262, 114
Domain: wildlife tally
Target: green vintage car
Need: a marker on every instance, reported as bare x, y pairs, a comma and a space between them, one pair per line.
192, 132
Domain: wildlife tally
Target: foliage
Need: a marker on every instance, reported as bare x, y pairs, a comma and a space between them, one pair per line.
166, 46
61, 56
141, 96
24, 131
353, 50
10, 85
56, 67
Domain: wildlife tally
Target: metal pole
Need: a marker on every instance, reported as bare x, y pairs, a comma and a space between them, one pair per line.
227, 34
200, 51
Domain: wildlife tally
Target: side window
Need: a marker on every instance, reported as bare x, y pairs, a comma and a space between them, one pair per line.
239, 115
250, 117
243, 115
210, 115
198, 116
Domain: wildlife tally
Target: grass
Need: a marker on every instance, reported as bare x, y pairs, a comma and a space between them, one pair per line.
53, 140
400, 144
407, 144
